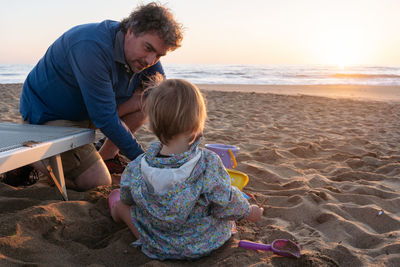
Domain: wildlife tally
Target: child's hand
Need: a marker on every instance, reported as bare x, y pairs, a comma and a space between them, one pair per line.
255, 213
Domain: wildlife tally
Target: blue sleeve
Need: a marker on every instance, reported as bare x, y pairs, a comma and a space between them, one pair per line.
92, 71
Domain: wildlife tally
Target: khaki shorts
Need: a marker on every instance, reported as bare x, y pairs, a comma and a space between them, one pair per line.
79, 159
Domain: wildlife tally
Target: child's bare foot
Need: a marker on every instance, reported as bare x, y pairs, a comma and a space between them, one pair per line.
113, 198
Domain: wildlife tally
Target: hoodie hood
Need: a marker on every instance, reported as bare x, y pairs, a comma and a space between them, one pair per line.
161, 180
169, 187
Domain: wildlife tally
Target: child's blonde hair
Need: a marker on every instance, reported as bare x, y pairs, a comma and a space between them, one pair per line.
175, 106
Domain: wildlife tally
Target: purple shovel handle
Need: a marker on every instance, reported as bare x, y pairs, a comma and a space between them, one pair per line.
282, 247
254, 246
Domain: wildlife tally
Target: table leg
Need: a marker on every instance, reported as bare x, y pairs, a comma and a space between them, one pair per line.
57, 174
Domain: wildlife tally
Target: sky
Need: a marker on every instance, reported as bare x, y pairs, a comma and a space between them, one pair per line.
339, 32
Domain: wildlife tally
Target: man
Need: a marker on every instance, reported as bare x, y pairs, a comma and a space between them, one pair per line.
92, 76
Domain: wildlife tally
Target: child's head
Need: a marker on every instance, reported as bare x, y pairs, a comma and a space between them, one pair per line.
175, 107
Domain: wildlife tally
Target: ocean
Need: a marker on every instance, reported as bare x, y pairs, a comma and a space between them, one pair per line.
254, 74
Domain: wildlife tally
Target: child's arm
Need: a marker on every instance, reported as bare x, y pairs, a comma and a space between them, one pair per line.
127, 177
227, 202
126, 196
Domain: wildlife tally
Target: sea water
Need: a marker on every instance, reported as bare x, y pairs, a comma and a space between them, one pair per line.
254, 74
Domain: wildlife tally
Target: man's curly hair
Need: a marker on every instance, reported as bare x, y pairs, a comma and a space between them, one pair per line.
155, 18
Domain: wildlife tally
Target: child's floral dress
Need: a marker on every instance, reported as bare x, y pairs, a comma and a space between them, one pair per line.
181, 205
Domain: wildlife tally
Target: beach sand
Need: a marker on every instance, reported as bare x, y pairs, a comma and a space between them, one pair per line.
329, 169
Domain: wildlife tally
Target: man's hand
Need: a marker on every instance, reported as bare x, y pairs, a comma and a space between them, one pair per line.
132, 105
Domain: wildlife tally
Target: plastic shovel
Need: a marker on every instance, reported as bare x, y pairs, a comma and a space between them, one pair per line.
282, 247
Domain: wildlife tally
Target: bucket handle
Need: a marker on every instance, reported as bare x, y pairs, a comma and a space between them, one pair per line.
233, 158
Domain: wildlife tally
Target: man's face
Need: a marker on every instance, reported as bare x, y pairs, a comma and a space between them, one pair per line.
144, 50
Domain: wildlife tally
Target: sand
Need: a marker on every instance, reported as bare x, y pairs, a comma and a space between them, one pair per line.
329, 169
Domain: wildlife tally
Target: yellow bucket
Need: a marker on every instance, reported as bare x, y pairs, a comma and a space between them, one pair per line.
238, 179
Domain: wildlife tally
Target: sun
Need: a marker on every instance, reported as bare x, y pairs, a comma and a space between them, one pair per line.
340, 48
341, 52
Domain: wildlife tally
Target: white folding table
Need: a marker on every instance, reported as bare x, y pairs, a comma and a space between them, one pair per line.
23, 144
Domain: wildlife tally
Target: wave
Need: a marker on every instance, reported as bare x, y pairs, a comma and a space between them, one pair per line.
254, 74
365, 76
9, 74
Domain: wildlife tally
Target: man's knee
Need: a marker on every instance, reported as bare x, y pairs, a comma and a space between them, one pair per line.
96, 175
76, 161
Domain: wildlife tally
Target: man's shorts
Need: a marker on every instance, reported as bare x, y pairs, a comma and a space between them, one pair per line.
79, 159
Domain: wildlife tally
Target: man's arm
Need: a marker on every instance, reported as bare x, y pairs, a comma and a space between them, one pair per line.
92, 70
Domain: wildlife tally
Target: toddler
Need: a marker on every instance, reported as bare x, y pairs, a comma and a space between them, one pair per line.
177, 198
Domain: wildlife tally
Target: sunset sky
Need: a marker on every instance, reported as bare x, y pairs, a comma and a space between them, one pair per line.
339, 32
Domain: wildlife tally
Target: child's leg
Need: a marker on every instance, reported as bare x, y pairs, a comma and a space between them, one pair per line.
122, 213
